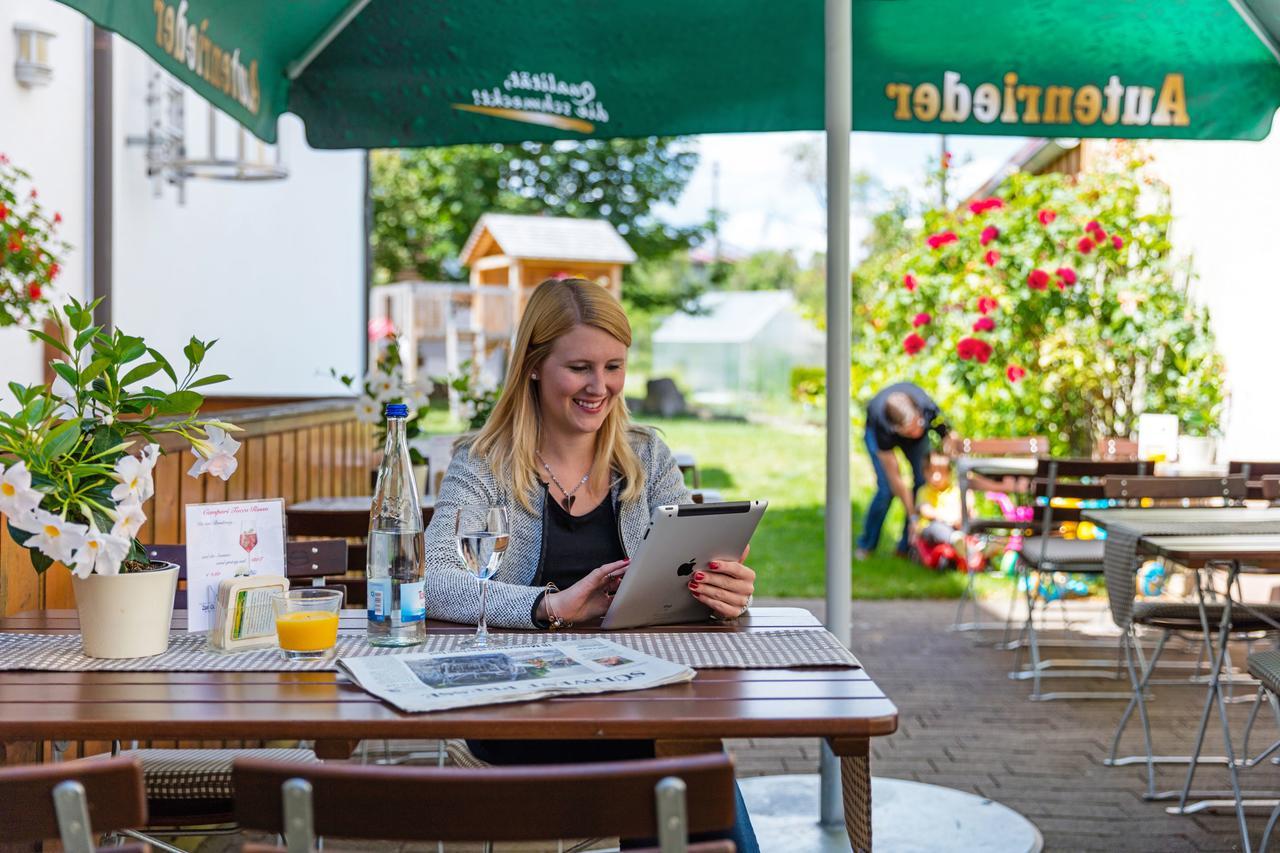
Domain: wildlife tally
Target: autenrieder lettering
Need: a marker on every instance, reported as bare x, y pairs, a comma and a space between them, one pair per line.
220, 67
1020, 103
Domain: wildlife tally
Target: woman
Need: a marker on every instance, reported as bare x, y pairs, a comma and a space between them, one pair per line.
580, 483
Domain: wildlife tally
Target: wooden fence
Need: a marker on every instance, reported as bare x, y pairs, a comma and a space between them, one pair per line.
296, 451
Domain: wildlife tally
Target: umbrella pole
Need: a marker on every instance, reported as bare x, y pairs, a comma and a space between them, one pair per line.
839, 124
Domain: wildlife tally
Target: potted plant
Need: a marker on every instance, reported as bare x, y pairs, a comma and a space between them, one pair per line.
77, 459
384, 384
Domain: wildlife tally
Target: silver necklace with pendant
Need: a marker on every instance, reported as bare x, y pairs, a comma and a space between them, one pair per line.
567, 502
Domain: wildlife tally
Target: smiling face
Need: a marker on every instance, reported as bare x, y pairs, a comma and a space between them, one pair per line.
580, 380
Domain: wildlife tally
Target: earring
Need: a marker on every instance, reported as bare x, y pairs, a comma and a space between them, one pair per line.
533, 376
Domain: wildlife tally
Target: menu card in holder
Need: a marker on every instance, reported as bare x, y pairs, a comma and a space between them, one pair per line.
228, 541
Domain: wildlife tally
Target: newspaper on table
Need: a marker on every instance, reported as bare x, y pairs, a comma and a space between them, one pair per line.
437, 682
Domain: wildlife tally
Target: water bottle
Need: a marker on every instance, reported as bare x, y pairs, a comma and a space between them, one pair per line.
395, 569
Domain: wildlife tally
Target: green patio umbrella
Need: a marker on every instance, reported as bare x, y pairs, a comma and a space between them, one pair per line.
398, 73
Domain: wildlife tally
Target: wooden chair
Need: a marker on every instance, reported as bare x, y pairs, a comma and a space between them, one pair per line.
1060, 487
688, 467
1115, 447
70, 801
1270, 484
1254, 473
1026, 445
1230, 489
666, 797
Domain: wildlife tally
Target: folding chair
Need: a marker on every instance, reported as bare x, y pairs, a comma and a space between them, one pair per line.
1265, 667
70, 801
666, 798
1254, 474
1170, 618
1060, 488
983, 457
1115, 448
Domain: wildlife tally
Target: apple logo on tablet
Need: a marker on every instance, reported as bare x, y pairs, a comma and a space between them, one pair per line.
687, 568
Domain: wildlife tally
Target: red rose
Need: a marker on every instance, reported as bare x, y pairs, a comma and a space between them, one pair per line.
964, 348
33, 290
986, 304
921, 319
942, 238
982, 206
1013, 373
4, 161
1092, 225
54, 269
981, 351
909, 281
14, 246
988, 234
1046, 216
1066, 276
57, 218
984, 324
33, 192
1084, 246
912, 344
992, 258
1115, 240
4, 211
1038, 279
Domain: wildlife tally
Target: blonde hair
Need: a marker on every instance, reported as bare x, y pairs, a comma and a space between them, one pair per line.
509, 438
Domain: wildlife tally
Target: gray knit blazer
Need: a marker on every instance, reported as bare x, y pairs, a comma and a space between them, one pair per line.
453, 593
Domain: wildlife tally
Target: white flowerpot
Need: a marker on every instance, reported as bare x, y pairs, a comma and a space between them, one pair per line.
1196, 452
126, 615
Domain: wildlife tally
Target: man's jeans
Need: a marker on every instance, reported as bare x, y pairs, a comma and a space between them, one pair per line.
916, 453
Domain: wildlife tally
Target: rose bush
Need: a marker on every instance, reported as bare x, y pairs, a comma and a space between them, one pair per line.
1054, 308
30, 250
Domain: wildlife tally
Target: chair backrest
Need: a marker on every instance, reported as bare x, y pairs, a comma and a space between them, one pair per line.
1254, 472
1064, 487
1271, 487
313, 560
1115, 447
631, 799
1029, 445
71, 800
1231, 489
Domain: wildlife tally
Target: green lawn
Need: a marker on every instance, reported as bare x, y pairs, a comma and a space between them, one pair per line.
784, 464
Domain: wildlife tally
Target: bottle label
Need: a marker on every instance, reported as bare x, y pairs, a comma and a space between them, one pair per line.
379, 592
413, 602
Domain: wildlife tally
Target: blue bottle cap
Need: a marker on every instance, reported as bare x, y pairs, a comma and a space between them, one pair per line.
397, 410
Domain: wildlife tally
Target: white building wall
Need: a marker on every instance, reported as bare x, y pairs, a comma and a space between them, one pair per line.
273, 270
1226, 203
43, 131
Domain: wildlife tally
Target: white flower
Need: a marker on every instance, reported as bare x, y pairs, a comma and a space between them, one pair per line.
216, 455
100, 552
128, 518
384, 385
133, 480
368, 410
54, 536
16, 495
418, 398
151, 455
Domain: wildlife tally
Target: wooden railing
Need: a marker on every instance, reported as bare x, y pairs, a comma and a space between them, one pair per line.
294, 450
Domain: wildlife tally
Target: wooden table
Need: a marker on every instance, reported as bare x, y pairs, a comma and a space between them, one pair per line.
842, 705
346, 517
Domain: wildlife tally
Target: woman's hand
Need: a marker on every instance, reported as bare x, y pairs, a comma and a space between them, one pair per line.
586, 599
726, 586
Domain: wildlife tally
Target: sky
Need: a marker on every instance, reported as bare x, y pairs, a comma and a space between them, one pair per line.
768, 205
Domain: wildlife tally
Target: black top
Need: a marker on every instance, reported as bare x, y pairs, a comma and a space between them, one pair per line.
574, 545
881, 431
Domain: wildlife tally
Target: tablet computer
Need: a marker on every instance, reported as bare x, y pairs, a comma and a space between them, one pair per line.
680, 541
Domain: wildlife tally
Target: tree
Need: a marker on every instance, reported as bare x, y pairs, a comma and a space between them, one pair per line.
425, 201
1054, 308
774, 270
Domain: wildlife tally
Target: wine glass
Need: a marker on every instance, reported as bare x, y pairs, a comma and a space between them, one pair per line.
482, 533
248, 541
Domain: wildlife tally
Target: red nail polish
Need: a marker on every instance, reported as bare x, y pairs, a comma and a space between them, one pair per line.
713, 565
693, 585
699, 576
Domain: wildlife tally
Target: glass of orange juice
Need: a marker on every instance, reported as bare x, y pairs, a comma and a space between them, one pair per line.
307, 621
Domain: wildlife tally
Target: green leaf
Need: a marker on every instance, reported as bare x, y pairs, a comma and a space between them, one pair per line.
210, 380
181, 403
62, 439
80, 318
67, 372
85, 336
164, 364
142, 371
194, 351
94, 369
39, 561
130, 348
50, 340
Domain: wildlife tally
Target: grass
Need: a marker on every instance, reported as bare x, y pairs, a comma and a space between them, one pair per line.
784, 463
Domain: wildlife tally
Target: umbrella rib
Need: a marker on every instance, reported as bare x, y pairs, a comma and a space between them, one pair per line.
1264, 35
295, 68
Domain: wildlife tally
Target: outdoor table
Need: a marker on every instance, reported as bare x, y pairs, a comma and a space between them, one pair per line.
346, 517
1238, 552
841, 704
